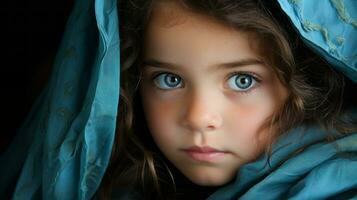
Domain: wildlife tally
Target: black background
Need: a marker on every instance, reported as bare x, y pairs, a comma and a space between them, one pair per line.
31, 32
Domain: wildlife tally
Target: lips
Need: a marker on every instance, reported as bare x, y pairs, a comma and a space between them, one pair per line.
205, 154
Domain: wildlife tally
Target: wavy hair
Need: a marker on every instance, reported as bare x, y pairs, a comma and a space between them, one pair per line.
316, 90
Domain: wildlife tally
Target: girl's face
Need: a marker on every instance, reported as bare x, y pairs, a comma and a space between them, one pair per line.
207, 96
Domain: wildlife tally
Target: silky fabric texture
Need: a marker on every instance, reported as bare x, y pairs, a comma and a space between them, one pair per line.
63, 148
322, 170
329, 27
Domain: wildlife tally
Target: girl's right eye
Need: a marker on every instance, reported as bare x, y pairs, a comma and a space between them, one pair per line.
167, 81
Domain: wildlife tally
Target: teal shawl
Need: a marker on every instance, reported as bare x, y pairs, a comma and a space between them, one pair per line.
323, 170
63, 148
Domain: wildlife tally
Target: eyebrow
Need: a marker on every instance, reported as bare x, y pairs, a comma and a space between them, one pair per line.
238, 63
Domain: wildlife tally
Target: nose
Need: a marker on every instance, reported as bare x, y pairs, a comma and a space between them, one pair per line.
202, 113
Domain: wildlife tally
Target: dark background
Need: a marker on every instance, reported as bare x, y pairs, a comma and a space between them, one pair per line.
31, 32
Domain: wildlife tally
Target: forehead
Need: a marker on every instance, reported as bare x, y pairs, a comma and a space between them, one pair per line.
174, 15
178, 34
169, 13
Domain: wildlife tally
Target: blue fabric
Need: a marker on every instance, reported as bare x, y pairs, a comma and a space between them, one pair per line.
330, 28
63, 148
323, 170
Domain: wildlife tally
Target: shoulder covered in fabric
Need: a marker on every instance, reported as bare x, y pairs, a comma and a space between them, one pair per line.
335, 179
319, 170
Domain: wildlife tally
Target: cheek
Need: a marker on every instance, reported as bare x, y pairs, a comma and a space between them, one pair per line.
246, 129
160, 118
251, 112
247, 122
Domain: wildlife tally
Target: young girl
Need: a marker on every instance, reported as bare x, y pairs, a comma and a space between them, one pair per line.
209, 86
219, 99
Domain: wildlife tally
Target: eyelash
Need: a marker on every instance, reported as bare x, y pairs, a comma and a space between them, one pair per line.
157, 74
254, 76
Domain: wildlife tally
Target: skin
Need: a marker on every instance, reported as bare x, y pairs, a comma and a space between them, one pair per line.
206, 109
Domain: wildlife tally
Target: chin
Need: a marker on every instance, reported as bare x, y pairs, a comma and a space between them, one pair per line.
209, 179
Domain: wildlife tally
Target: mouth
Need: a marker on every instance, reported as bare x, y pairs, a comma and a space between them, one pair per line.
205, 154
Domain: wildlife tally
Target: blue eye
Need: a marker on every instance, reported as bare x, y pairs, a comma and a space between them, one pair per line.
241, 82
167, 81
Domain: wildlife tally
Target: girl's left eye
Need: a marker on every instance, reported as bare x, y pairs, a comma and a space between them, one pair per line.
241, 82
167, 81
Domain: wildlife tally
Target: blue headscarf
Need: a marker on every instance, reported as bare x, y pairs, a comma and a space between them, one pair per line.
330, 28
322, 170
63, 148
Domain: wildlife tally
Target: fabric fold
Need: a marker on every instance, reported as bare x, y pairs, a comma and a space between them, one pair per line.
70, 131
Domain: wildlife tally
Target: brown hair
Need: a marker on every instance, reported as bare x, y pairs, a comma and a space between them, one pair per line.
316, 90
